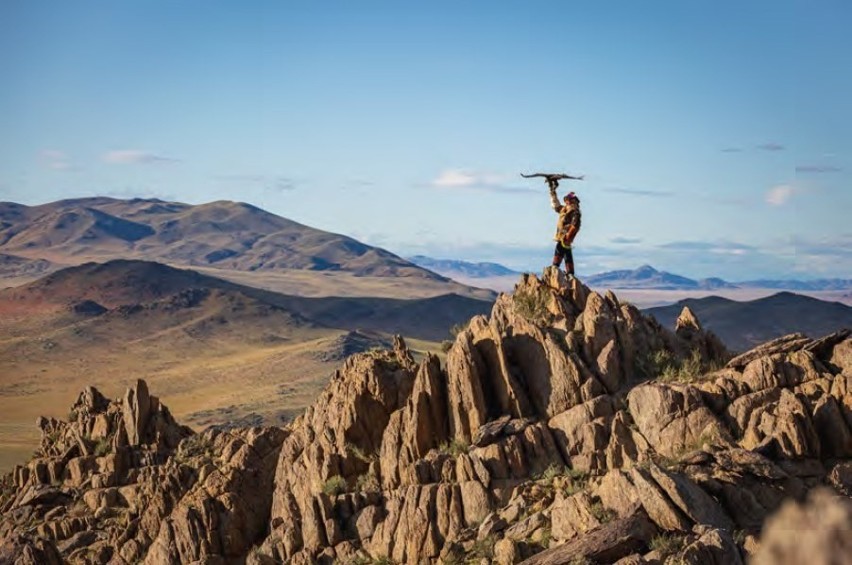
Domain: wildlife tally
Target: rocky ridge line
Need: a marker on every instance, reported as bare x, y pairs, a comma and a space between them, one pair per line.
564, 426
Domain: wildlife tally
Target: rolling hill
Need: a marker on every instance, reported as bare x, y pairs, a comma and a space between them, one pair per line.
741, 325
224, 234
224, 351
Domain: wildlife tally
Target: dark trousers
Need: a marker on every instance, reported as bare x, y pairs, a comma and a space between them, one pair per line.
561, 252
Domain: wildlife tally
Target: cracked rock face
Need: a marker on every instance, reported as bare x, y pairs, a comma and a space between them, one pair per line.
565, 425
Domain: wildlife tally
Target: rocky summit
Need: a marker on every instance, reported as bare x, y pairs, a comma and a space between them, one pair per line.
566, 427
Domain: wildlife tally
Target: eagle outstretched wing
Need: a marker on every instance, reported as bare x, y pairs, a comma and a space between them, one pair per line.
551, 176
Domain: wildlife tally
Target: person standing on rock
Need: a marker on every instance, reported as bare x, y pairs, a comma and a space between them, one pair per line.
567, 226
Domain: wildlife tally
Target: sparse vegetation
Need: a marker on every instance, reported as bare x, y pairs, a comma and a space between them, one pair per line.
667, 544
368, 482
367, 560
103, 447
707, 436
446, 345
482, 549
663, 365
359, 453
553, 470
334, 485
455, 447
198, 445
532, 305
601, 513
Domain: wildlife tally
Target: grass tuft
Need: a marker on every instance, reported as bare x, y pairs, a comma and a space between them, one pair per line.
601, 513
532, 305
667, 544
455, 447
334, 485
103, 447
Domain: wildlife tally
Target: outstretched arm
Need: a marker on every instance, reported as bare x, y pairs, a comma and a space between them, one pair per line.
554, 201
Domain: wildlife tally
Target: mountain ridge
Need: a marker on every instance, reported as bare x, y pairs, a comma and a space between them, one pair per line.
742, 325
642, 277
229, 235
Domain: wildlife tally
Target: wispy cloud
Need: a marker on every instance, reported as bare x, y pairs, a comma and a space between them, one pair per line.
716, 247
779, 195
461, 178
771, 146
273, 183
56, 160
817, 169
625, 240
732, 150
466, 179
640, 192
835, 246
135, 157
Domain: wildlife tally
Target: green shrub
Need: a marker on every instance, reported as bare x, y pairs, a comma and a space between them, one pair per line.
532, 305
482, 549
359, 453
334, 485
663, 365
197, 445
368, 483
667, 544
455, 447
367, 560
103, 447
601, 513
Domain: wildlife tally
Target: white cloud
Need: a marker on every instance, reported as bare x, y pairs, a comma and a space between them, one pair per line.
463, 178
455, 178
134, 157
779, 195
450, 178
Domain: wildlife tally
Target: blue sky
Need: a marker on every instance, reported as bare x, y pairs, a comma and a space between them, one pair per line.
716, 137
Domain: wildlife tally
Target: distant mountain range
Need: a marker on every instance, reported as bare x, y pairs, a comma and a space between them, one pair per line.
223, 234
453, 268
645, 277
742, 325
648, 277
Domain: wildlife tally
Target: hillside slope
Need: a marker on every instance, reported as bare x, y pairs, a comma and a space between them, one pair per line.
228, 235
222, 351
742, 325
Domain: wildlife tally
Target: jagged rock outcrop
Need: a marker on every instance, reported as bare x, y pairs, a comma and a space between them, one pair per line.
565, 425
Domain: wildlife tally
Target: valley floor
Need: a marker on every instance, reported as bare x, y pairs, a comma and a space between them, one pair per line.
222, 383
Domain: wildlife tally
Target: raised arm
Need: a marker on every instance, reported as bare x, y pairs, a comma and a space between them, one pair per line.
554, 201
